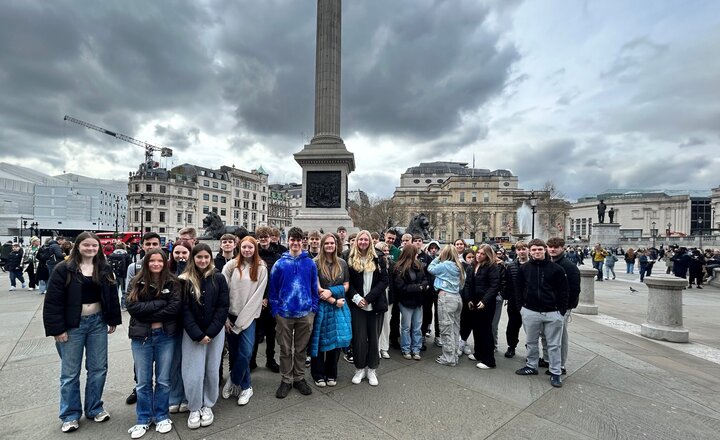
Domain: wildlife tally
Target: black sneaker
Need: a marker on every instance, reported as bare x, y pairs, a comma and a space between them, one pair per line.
132, 398
555, 381
283, 390
526, 371
562, 370
303, 387
542, 363
510, 352
272, 366
424, 347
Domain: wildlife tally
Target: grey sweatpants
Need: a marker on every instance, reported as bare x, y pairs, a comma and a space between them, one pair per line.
564, 341
551, 325
201, 370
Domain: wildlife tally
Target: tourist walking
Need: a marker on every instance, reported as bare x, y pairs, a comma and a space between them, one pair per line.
81, 308
630, 258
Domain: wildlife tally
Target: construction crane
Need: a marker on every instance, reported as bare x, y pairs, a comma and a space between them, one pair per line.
149, 148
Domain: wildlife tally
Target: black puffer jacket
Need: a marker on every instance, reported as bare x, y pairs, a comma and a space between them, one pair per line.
481, 285
63, 300
573, 279
207, 317
14, 260
410, 288
165, 307
542, 287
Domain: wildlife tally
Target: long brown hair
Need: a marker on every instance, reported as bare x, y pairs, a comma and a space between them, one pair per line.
487, 250
99, 261
329, 267
194, 274
255, 260
406, 260
145, 277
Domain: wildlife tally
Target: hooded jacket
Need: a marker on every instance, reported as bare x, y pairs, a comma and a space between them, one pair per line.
293, 291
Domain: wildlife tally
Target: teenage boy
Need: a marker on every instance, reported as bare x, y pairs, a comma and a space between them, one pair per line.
293, 299
189, 234
342, 233
542, 293
512, 332
313, 243
228, 247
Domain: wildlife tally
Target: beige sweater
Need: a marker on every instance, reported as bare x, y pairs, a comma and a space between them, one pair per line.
245, 295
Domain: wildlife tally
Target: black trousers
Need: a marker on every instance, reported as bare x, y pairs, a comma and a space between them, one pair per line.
395, 325
428, 309
366, 328
32, 280
482, 334
324, 366
512, 333
465, 323
264, 326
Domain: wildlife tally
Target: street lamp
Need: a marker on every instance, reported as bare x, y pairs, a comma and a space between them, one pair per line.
700, 222
653, 233
117, 212
533, 205
25, 222
123, 221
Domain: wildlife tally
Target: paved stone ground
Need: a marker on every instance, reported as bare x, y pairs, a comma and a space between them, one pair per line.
619, 386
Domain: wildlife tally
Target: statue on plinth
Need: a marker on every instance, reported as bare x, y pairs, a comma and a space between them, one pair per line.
601, 211
611, 214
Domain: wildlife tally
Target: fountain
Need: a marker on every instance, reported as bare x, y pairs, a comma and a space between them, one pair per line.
524, 221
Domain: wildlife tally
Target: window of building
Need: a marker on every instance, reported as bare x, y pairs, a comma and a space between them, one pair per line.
214, 209
237, 193
162, 202
263, 198
162, 189
214, 198
137, 216
179, 217
487, 185
246, 194
206, 182
137, 187
439, 181
245, 215
206, 196
416, 181
223, 186
148, 188
462, 196
428, 180
223, 199
206, 209
148, 216
180, 191
190, 192
236, 214
254, 196
486, 197
162, 217
246, 205
254, 206
215, 184
223, 212
211, 174
263, 217
263, 207
161, 230
189, 218
254, 216
473, 197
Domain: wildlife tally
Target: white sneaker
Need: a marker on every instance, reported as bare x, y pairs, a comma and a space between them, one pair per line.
482, 366
11, 288
372, 377
72, 425
467, 349
138, 431
163, 426
359, 376
229, 389
471, 357
206, 416
102, 416
331, 382
183, 407
193, 420
384, 354
174, 409
245, 396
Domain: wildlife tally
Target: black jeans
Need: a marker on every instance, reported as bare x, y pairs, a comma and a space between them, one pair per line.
465, 323
324, 366
482, 334
512, 333
395, 325
366, 328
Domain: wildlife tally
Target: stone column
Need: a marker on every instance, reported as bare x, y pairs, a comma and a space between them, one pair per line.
327, 72
587, 292
664, 315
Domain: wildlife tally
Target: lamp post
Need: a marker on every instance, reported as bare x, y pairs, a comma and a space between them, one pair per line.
653, 233
117, 212
700, 231
123, 221
533, 205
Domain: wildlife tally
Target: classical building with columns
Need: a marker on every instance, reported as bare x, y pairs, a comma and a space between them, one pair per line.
471, 203
671, 213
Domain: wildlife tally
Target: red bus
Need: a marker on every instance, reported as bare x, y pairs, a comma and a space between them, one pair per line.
126, 237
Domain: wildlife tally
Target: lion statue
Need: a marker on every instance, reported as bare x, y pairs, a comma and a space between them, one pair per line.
215, 228
419, 225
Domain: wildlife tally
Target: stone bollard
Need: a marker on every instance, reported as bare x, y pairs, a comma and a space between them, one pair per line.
664, 313
587, 292
715, 280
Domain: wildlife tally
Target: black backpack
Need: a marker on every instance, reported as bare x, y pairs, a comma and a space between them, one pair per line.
119, 265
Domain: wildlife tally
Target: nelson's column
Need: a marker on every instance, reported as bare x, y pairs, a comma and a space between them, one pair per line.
326, 162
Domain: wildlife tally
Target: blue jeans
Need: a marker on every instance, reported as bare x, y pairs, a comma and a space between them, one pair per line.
630, 267
410, 328
16, 274
240, 349
91, 337
152, 405
598, 265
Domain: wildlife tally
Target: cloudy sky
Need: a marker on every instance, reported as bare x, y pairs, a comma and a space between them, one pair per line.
591, 94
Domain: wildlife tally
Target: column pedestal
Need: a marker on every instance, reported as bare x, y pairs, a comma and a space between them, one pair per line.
664, 313
587, 292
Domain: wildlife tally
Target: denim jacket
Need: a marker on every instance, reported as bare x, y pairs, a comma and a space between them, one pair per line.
447, 275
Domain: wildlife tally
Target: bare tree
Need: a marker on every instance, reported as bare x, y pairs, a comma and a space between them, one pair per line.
553, 211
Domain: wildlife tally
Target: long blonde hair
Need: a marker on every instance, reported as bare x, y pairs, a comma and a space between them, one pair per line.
329, 266
356, 259
449, 253
194, 274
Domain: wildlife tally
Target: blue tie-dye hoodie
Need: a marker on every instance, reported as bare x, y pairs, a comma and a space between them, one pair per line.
293, 286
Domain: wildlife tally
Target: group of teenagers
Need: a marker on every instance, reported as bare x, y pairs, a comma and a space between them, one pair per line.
316, 298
